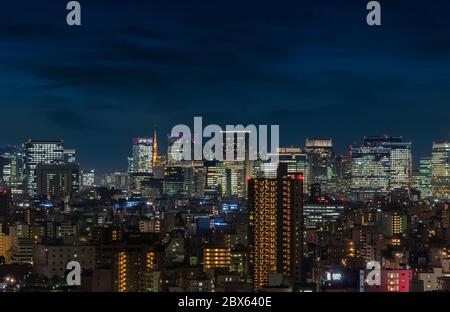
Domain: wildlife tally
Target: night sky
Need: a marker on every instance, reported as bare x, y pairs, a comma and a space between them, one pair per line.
313, 67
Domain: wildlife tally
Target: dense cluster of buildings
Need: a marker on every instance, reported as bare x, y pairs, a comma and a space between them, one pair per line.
313, 221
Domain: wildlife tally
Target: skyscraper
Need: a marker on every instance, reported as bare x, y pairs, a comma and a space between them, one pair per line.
57, 181
320, 153
88, 178
212, 178
237, 164
425, 176
70, 156
400, 176
40, 152
177, 181
232, 178
342, 175
11, 170
440, 170
142, 155
381, 164
275, 228
297, 161
117, 180
140, 165
172, 151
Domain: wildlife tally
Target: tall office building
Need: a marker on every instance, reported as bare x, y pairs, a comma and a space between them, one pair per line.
140, 165
57, 182
275, 228
321, 213
379, 165
232, 178
297, 161
342, 176
142, 155
199, 181
70, 156
212, 179
117, 180
171, 153
320, 154
174, 150
440, 171
400, 173
130, 169
370, 171
425, 178
177, 181
186, 179
237, 163
40, 152
160, 166
11, 170
88, 178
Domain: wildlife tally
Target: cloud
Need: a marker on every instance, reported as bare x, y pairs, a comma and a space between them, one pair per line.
313, 67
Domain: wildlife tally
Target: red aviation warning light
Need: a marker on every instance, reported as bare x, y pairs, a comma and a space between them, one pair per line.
300, 177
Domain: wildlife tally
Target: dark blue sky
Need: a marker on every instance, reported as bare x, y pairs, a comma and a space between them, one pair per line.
314, 67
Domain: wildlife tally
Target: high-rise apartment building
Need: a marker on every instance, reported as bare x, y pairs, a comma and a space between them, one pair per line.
394, 223
134, 270
216, 258
275, 228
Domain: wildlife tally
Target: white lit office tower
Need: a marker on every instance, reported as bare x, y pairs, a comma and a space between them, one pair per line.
440, 164
88, 179
40, 152
380, 165
425, 178
143, 155
12, 170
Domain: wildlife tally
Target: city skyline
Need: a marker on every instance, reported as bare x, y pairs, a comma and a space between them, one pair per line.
221, 153
313, 68
163, 150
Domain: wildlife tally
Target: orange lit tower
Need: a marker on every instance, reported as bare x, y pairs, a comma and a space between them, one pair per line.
155, 149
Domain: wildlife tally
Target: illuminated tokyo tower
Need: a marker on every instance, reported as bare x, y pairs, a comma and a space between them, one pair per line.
155, 149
